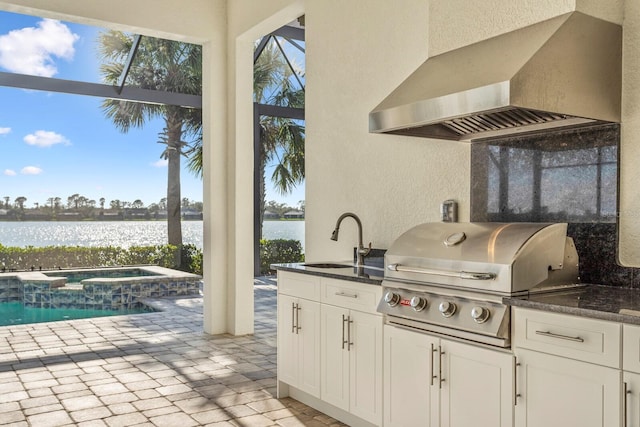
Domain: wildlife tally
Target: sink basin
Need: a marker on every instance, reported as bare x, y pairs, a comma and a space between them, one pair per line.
327, 265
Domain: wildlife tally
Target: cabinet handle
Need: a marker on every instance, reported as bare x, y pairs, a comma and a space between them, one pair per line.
349, 342
627, 392
433, 350
344, 320
562, 337
344, 294
440, 363
298, 327
516, 395
293, 317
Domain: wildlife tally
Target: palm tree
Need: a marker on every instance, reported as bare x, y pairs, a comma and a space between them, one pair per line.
161, 65
20, 202
72, 201
282, 138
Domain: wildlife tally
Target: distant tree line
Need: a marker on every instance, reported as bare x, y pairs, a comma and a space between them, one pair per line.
78, 207
279, 209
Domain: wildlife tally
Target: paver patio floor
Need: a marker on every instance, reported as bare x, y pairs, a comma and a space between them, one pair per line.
156, 369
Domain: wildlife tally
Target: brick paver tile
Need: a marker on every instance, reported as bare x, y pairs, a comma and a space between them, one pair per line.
266, 405
256, 421
38, 401
152, 413
41, 409
176, 419
125, 420
122, 408
90, 414
173, 389
82, 402
13, 396
50, 419
107, 389
158, 402
11, 417
212, 416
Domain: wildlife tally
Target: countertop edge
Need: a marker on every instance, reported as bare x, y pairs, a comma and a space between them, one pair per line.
339, 274
575, 311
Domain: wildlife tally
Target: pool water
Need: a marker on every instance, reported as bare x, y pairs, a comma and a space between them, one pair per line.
15, 313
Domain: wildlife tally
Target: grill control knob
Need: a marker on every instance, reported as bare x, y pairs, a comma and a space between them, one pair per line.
418, 303
447, 309
480, 314
391, 298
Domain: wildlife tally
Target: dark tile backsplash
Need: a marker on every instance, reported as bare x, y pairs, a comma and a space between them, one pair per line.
557, 176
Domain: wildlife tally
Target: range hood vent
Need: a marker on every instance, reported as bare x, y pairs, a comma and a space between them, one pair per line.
566, 71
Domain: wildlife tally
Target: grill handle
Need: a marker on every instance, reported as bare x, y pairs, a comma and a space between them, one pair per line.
471, 275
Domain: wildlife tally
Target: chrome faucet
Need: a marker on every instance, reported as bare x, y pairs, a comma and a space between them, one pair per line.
362, 251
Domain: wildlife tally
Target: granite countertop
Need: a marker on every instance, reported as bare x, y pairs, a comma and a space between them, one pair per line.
613, 303
347, 270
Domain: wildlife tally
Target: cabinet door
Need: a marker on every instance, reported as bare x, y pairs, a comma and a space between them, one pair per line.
308, 327
365, 367
299, 343
287, 341
335, 357
559, 392
410, 391
477, 386
632, 396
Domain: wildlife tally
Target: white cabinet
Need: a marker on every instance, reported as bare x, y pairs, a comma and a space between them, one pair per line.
444, 383
632, 399
477, 384
299, 333
631, 375
351, 361
559, 392
299, 344
330, 346
568, 370
409, 378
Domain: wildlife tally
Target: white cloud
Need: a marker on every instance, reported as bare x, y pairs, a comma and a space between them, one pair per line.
31, 170
31, 50
4, 131
10, 172
45, 138
162, 163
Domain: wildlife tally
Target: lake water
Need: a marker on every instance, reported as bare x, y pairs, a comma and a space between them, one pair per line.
121, 233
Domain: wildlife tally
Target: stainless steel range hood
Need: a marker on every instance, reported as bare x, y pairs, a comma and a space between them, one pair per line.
566, 71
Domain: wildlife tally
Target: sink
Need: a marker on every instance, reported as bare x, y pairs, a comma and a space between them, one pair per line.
327, 265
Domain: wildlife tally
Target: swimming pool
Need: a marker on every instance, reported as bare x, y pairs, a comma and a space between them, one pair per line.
15, 313
112, 289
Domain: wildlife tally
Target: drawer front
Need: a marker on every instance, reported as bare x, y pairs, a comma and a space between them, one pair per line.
631, 348
299, 285
580, 338
358, 296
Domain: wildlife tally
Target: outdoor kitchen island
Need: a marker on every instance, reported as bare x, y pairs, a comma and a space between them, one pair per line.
374, 350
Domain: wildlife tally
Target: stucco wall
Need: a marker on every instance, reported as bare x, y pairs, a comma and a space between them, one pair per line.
357, 52
189, 20
629, 197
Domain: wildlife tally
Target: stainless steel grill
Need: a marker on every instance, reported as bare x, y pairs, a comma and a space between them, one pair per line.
450, 278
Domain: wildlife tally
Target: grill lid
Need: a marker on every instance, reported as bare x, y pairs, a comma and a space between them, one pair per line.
491, 257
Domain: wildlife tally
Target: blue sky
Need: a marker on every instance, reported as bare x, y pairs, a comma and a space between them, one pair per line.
56, 145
